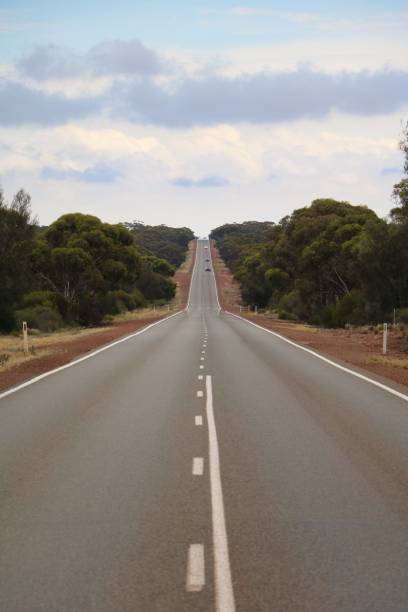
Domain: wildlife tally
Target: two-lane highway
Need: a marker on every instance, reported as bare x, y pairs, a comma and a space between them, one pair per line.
204, 464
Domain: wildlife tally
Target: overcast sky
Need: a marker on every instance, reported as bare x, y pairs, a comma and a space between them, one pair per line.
200, 113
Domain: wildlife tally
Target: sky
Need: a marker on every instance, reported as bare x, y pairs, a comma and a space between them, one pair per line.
201, 113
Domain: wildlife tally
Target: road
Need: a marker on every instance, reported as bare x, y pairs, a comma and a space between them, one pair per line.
203, 465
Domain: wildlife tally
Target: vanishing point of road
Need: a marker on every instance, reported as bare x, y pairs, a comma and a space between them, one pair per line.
203, 465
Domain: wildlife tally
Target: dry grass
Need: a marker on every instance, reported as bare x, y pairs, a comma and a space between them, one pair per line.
40, 345
395, 362
143, 313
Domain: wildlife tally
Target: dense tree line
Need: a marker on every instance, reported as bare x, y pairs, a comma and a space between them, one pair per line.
169, 243
76, 271
330, 263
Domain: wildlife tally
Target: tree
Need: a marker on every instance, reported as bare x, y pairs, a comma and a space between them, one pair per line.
17, 231
168, 243
82, 259
302, 266
399, 214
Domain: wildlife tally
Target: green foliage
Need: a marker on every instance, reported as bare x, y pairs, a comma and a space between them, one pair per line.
350, 309
331, 263
402, 315
292, 303
166, 243
17, 232
160, 266
116, 302
44, 318
287, 316
155, 286
39, 298
82, 260
80, 270
399, 214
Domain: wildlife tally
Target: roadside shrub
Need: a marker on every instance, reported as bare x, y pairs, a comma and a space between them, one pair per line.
287, 316
49, 299
326, 317
159, 288
402, 315
7, 318
90, 310
44, 318
130, 301
138, 299
116, 302
292, 303
349, 310
39, 298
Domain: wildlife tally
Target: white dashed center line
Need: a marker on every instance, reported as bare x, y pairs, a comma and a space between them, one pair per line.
195, 568
200, 394
198, 466
200, 377
198, 420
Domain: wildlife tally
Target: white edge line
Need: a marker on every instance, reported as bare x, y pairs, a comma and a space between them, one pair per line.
195, 580
192, 275
325, 359
215, 280
224, 594
97, 351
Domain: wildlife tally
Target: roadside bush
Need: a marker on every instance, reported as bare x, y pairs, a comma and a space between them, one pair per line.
402, 315
48, 299
326, 317
287, 316
137, 299
110, 304
131, 301
39, 298
7, 319
157, 288
350, 309
116, 302
44, 318
90, 310
292, 303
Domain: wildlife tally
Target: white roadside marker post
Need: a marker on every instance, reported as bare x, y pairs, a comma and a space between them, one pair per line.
25, 338
385, 338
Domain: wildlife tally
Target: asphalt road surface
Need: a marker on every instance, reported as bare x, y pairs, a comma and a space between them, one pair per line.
203, 465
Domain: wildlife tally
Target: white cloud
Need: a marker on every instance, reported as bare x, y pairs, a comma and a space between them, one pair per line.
395, 20
109, 142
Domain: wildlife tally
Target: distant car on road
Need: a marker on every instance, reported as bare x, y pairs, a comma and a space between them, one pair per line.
207, 260
206, 247
208, 269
